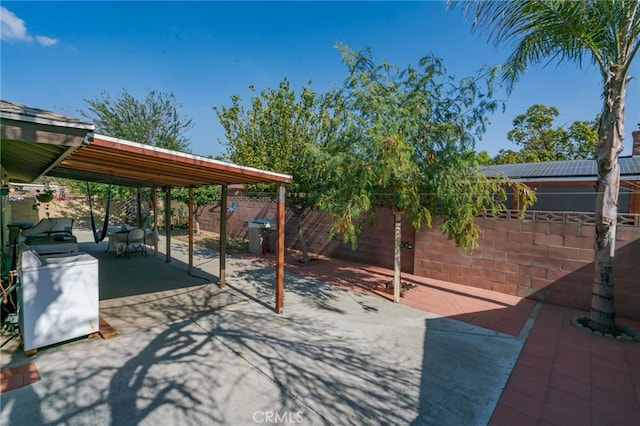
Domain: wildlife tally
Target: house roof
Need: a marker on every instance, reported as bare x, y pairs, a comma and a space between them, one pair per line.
36, 142
572, 170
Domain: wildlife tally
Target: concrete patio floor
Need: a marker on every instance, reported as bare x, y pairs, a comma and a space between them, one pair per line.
190, 353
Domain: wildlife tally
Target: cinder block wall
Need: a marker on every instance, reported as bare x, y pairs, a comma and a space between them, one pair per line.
244, 210
546, 261
375, 245
550, 262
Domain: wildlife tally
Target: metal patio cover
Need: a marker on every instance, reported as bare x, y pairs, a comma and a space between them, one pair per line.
36, 142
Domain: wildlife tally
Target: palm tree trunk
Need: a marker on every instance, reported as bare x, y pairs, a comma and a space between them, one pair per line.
603, 316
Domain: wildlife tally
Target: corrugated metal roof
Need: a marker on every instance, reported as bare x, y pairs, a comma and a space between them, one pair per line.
587, 169
34, 140
13, 111
111, 160
37, 142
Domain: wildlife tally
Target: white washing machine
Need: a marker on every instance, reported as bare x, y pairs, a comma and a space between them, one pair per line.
58, 297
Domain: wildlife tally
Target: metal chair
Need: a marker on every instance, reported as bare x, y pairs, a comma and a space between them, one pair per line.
135, 241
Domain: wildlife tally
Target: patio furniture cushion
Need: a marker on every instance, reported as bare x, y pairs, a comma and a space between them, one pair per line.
48, 226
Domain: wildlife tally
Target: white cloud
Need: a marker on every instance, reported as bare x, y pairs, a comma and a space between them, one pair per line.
14, 28
46, 41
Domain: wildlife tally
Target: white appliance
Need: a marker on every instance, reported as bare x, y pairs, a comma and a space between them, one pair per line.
59, 297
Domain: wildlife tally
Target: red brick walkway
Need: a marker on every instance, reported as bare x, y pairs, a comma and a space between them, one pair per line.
563, 375
16, 377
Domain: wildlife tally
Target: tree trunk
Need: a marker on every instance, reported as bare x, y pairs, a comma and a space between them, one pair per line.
611, 132
397, 245
303, 243
196, 219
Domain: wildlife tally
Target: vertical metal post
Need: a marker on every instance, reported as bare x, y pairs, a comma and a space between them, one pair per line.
280, 250
223, 235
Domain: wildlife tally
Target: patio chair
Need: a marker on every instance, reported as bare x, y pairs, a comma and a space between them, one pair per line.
135, 241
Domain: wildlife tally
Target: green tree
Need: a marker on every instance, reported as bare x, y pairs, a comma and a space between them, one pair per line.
98, 190
534, 131
281, 132
202, 197
483, 158
509, 156
584, 139
540, 141
406, 143
607, 34
154, 121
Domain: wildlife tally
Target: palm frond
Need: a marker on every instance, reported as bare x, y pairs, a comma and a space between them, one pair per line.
603, 32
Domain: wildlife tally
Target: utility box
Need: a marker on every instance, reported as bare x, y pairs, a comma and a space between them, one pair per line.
262, 236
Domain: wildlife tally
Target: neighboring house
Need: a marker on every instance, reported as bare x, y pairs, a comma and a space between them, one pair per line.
570, 185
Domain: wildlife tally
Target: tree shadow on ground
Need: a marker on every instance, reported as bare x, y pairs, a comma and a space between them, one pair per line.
208, 356
204, 355
313, 293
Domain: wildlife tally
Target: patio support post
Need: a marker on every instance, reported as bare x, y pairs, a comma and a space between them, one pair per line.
167, 222
138, 208
280, 250
154, 196
190, 229
223, 235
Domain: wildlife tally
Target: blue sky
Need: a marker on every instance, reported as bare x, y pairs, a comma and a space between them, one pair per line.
57, 54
